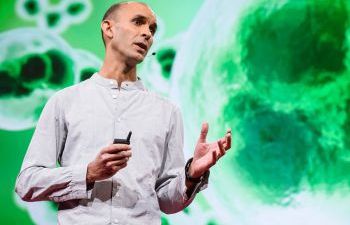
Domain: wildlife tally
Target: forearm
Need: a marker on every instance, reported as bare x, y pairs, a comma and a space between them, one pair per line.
56, 184
176, 193
172, 196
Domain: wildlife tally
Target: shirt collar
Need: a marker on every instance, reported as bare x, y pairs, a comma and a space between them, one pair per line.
111, 83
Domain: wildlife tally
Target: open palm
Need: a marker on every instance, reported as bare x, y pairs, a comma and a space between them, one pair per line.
207, 154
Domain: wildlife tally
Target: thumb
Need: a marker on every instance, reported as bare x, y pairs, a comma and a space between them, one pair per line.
204, 132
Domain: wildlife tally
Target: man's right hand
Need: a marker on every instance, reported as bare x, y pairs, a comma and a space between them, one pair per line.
109, 161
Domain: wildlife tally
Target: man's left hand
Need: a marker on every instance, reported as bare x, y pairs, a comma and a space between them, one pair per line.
207, 154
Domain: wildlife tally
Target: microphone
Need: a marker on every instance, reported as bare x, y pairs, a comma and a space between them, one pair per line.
152, 54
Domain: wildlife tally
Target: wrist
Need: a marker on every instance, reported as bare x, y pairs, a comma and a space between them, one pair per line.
89, 176
190, 174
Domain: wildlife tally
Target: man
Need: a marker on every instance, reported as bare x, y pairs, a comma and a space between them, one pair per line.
98, 182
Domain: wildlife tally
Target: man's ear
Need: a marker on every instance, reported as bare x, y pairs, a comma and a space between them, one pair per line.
106, 27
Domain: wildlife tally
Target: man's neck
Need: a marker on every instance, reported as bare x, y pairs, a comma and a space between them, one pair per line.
118, 70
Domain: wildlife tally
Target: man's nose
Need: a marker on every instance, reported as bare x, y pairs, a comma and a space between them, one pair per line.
146, 33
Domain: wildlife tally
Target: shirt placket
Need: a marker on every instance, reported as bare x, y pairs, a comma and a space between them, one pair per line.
117, 96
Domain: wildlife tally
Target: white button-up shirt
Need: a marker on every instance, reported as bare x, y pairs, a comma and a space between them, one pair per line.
76, 123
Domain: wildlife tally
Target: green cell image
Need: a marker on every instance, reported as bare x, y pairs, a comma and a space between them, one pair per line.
55, 16
165, 58
274, 71
312, 52
278, 76
32, 7
32, 69
271, 161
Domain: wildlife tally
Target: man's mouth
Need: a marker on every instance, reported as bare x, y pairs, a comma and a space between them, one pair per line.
142, 45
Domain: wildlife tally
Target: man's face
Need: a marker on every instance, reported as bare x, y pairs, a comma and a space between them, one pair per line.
134, 26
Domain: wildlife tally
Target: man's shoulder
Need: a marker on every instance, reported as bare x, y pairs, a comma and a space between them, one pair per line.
71, 91
66, 96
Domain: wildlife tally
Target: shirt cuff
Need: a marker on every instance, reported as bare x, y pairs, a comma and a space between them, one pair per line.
203, 184
78, 184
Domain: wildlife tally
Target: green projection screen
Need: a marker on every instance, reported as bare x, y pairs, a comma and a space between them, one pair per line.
276, 71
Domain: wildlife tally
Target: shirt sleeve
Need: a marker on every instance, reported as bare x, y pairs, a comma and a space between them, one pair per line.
40, 178
170, 185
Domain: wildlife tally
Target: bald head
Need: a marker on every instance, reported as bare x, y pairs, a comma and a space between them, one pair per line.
112, 12
113, 9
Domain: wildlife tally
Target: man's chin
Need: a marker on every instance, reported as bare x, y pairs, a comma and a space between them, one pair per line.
136, 59
139, 60
140, 56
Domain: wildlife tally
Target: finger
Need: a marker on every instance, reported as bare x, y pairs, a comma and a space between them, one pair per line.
117, 162
116, 148
214, 158
228, 141
122, 165
120, 154
117, 168
116, 156
229, 131
223, 140
204, 132
222, 149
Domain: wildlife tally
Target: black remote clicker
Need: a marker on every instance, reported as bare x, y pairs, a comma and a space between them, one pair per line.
123, 141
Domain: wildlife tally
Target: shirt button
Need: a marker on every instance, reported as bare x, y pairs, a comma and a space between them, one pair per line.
111, 82
114, 96
119, 119
116, 221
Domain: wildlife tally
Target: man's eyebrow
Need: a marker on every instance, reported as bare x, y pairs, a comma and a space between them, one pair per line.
139, 16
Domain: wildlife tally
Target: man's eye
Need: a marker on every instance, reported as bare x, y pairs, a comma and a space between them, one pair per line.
138, 22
